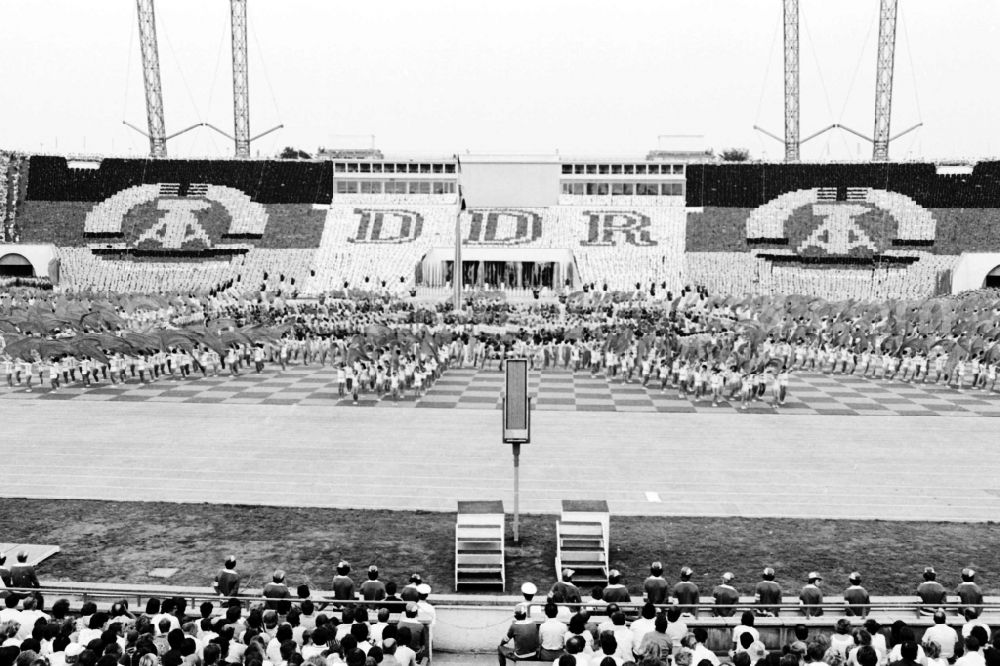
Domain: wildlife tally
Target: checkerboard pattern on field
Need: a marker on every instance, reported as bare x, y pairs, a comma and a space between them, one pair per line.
558, 389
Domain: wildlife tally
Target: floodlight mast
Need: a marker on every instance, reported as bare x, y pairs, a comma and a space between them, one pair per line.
792, 81
883, 78
151, 76
241, 82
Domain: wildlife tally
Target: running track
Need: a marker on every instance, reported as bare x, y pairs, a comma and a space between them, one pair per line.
714, 464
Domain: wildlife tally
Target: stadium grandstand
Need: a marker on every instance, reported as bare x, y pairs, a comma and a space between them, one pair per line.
863, 231
223, 380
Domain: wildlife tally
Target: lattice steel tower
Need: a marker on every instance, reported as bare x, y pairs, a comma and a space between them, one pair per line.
241, 85
151, 76
791, 80
883, 78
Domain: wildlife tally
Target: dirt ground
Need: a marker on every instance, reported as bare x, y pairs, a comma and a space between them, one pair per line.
123, 541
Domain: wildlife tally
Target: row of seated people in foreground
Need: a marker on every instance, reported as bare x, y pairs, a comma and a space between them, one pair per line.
167, 633
661, 639
768, 594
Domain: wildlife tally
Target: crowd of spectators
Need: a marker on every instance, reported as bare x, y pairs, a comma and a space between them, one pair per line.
282, 629
603, 629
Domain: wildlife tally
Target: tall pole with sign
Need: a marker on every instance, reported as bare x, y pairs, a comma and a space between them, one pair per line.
516, 424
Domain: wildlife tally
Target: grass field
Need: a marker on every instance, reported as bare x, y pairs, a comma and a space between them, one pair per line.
122, 541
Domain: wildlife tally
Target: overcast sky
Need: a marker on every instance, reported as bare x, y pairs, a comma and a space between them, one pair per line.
520, 76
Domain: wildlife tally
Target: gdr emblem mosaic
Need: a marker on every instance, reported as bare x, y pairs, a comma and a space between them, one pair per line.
163, 218
840, 223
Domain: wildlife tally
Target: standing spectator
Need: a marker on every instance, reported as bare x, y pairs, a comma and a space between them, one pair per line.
686, 592
425, 611
932, 594
856, 597
343, 585
768, 594
725, 595
655, 586
227, 580
22, 574
811, 597
373, 589
524, 633
968, 592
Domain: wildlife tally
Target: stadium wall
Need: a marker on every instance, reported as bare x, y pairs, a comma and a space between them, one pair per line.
40, 256
972, 269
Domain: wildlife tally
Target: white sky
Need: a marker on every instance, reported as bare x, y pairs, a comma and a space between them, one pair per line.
583, 77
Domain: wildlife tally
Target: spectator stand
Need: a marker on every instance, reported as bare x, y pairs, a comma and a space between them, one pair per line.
37, 552
479, 544
582, 541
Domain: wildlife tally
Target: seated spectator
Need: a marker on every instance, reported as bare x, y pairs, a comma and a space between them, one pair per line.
615, 591
656, 640
524, 633
725, 595
276, 590
943, 636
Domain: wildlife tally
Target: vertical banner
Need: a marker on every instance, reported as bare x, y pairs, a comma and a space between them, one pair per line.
517, 408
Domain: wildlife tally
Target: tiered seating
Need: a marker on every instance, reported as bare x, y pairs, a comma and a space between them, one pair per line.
479, 544
582, 541
342, 257
623, 264
743, 273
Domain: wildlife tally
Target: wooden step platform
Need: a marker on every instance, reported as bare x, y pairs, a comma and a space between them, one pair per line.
582, 541
479, 544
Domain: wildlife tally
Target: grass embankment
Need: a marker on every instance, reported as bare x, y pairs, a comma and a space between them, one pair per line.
122, 541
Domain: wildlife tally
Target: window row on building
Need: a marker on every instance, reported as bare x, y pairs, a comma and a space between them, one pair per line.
623, 169
393, 167
394, 187
623, 189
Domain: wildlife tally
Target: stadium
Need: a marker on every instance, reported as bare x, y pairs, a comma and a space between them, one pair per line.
247, 400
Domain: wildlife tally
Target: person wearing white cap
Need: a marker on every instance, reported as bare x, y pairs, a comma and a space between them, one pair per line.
655, 587
409, 591
614, 591
524, 633
343, 585
856, 597
227, 579
425, 612
373, 589
686, 592
932, 593
811, 597
534, 611
725, 595
969, 593
564, 591
768, 594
